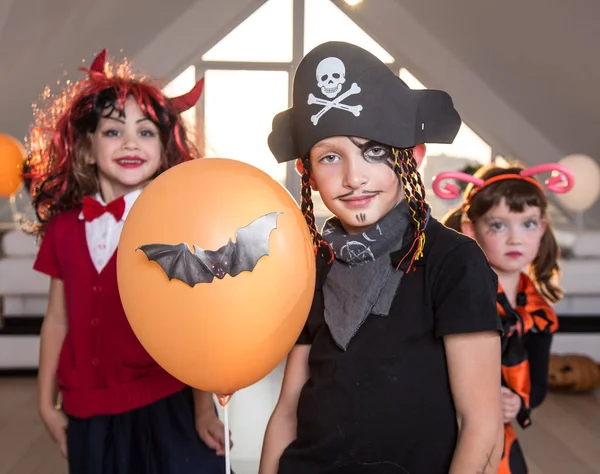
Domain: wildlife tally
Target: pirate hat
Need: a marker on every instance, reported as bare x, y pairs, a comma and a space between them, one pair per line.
341, 89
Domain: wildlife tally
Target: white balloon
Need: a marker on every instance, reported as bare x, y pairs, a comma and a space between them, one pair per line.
586, 190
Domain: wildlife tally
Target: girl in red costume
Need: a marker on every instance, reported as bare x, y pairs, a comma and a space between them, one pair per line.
505, 211
93, 151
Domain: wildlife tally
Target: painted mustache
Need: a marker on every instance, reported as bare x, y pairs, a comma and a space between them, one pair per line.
353, 194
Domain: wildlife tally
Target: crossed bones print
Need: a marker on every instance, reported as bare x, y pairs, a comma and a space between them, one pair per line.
336, 103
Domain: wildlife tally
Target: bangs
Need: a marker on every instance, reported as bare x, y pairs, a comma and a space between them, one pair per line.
152, 104
516, 193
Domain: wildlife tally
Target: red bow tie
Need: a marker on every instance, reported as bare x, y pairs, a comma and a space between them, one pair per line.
93, 209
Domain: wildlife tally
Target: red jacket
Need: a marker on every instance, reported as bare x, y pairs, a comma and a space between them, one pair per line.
103, 368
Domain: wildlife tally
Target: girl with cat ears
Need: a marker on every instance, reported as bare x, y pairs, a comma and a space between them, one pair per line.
57, 171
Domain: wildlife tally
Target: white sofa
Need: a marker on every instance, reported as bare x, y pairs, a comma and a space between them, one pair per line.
24, 295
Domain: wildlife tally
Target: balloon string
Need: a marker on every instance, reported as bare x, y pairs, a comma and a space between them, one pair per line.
224, 402
227, 443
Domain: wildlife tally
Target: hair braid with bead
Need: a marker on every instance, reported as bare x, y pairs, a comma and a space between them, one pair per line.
406, 168
307, 209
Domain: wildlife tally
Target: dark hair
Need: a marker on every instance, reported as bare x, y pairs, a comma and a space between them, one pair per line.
306, 206
516, 193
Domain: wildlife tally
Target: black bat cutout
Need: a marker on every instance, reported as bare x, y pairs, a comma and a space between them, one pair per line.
202, 266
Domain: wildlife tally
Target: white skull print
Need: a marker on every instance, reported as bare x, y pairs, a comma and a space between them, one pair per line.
331, 74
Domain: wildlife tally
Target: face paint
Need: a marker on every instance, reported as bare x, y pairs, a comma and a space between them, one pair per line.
374, 152
361, 218
356, 180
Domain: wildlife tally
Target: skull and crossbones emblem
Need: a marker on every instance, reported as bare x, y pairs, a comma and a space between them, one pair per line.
331, 76
356, 252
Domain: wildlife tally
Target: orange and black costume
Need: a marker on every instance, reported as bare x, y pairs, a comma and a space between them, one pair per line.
528, 330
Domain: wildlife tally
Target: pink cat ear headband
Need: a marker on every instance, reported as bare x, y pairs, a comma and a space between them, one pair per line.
561, 181
178, 104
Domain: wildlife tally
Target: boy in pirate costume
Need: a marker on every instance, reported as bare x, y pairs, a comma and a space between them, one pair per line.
397, 368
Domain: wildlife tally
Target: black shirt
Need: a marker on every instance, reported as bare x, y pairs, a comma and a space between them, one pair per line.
385, 404
538, 346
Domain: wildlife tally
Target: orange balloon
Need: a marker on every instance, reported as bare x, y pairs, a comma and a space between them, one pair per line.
224, 335
12, 155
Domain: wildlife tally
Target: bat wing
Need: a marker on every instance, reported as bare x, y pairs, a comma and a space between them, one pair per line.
178, 262
252, 243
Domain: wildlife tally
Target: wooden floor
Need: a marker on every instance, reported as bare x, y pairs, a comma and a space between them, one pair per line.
565, 437
25, 447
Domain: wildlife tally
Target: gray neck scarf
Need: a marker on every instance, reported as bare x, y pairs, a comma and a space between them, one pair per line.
362, 279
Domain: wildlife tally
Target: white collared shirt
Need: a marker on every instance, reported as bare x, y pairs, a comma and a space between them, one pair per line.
103, 233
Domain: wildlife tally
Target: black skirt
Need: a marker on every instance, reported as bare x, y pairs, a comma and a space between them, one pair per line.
160, 438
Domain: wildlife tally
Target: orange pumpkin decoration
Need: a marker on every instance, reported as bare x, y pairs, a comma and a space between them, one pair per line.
226, 334
573, 373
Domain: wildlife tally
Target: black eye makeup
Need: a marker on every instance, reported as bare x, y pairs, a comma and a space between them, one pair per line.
373, 152
378, 154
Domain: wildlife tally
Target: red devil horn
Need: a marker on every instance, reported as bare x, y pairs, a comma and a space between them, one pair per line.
188, 100
99, 61
98, 64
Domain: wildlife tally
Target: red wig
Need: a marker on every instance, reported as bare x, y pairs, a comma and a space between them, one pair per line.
57, 173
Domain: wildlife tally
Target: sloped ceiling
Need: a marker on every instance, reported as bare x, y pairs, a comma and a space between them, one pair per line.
531, 69
541, 56
42, 39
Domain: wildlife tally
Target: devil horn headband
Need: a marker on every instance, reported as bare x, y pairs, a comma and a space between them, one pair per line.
561, 181
99, 62
178, 104
188, 100
97, 66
